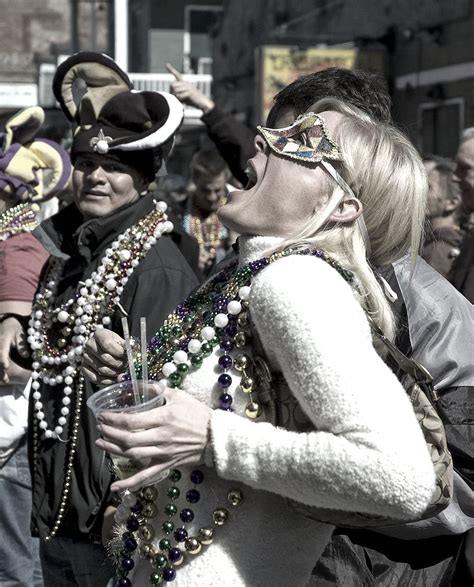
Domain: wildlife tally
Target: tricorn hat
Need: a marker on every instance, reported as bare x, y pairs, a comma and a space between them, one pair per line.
109, 117
31, 169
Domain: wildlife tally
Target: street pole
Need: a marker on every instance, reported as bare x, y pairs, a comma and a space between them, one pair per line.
121, 33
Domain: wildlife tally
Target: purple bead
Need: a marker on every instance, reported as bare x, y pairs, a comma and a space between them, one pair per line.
226, 345
169, 574
193, 496
137, 508
133, 524
226, 400
123, 582
197, 476
186, 515
231, 329
130, 544
224, 380
174, 554
127, 564
180, 534
225, 361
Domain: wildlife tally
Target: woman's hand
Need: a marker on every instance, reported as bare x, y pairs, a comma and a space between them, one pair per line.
12, 336
105, 359
172, 435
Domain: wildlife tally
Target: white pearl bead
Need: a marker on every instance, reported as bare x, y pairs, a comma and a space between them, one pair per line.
79, 311
168, 368
168, 226
57, 360
58, 430
244, 292
81, 300
180, 357
36, 395
67, 390
71, 355
40, 415
35, 385
221, 320
88, 282
38, 405
110, 284
125, 255
194, 345
83, 291
43, 424
106, 320
64, 411
161, 206
101, 147
208, 333
68, 380
147, 246
48, 433
69, 370
63, 316
234, 307
66, 401
62, 420
38, 314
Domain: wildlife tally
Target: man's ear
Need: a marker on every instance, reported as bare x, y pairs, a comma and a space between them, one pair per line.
348, 210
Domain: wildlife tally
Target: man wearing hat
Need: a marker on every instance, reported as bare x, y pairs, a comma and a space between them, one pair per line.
113, 255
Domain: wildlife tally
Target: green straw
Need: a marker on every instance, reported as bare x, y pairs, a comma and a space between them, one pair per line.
144, 358
131, 366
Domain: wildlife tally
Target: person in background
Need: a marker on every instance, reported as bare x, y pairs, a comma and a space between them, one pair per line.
209, 191
462, 274
31, 172
443, 235
113, 255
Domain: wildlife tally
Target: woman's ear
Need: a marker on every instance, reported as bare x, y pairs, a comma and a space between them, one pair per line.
348, 210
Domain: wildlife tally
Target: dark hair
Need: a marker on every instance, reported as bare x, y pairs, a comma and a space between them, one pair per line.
445, 167
207, 163
366, 91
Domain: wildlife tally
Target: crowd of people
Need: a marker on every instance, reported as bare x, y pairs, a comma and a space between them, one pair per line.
288, 314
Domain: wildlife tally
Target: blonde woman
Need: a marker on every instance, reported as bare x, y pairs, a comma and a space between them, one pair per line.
323, 195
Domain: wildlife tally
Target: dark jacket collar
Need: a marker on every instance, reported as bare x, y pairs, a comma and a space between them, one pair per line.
67, 235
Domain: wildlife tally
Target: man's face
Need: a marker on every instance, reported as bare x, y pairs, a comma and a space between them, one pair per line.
209, 193
464, 174
102, 185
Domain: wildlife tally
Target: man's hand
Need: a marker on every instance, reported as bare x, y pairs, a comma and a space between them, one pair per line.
187, 93
104, 358
12, 336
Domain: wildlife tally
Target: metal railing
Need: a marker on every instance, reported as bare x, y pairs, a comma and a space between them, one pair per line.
161, 82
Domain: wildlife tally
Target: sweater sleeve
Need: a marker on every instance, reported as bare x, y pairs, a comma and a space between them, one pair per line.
367, 452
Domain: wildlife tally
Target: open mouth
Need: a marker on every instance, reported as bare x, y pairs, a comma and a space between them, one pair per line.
251, 177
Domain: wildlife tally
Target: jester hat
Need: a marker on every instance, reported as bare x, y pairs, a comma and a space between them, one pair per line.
31, 169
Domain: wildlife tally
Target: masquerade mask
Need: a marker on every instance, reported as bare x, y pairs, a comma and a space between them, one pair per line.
306, 140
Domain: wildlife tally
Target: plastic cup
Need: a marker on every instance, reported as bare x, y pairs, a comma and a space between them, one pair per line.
120, 398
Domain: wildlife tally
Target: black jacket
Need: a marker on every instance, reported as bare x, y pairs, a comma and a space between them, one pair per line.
158, 284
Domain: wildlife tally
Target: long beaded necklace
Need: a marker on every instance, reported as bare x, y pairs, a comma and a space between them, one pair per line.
18, 219
215, 315
209, 233
57, 334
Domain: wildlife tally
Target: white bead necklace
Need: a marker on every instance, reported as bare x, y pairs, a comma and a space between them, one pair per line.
58, 363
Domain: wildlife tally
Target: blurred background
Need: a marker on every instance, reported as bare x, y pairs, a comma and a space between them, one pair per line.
241, 52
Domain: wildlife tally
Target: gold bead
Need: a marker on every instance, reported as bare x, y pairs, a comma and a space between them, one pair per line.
66, 331
240, 340
146, 550
206, 535
243, 319
253, 410
192, 545
149, 510
234, 497
220, 516
150, 493
246, 384
62, 343
146, 532
241, 362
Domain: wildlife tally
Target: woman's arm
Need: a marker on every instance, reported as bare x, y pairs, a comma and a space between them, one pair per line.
367, 452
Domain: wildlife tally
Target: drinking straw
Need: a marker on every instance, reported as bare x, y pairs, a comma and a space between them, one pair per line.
131, 366
144, 358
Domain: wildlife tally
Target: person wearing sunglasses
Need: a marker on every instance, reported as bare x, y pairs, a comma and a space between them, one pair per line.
275, 392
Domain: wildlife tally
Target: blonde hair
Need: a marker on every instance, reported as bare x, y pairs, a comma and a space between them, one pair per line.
387, 175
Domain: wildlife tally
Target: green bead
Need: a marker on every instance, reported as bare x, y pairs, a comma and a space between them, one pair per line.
196, 360
171, 509
206, 349
176, 330
182, 368
214, 341
164, 544
167, 527
155, 578
173, 492
160, 561
174, 475
175, 378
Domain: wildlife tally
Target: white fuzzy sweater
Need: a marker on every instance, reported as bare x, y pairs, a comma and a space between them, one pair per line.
367, 453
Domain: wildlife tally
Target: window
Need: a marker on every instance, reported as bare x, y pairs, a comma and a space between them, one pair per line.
441, 124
